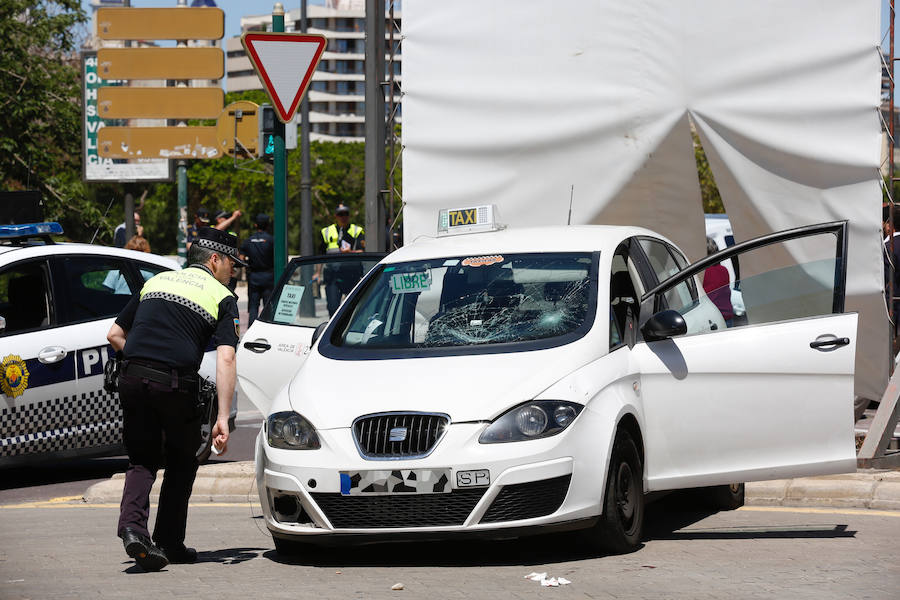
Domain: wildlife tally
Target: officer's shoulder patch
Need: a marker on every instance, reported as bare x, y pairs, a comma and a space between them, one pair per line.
237, 327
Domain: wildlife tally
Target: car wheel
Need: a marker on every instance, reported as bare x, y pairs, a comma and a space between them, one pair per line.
289, 547
620, 525
726, 497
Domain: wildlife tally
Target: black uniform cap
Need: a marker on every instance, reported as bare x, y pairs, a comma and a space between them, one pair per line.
219, 241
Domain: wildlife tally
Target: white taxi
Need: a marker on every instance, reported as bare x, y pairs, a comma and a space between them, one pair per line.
57, 303
518, 381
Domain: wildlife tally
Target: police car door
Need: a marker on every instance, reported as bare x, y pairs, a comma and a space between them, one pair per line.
766, 397
91, 290
37, 364
277, 342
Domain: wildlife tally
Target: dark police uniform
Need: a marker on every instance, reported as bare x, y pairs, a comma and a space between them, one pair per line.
169, 325
259, 249
340, 278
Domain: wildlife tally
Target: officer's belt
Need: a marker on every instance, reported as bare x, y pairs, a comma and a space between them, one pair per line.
170, 377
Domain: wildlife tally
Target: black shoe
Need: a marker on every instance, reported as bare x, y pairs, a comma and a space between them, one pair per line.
180, 554
143, 551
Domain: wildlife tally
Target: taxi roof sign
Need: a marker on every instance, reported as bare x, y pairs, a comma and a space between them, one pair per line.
469, 219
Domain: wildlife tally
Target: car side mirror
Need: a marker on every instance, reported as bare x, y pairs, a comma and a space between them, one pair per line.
664, 324
317, 333
2, 324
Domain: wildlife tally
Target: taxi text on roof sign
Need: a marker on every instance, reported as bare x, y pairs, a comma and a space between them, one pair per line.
469, 219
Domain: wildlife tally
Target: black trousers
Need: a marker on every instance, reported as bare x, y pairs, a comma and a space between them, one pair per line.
159, 423
259, 288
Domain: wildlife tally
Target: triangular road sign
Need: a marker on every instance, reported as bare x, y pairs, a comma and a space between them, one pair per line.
284, 63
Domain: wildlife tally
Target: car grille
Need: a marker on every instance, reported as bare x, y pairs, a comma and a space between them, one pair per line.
399, 510
420, 433
528, 500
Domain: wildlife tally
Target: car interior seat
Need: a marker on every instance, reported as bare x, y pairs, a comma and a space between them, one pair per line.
622, 296
28, 303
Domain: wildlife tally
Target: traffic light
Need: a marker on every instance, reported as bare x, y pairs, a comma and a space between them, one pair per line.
267, 131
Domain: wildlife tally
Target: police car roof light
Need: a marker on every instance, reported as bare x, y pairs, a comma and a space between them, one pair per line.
471, 219
28, 230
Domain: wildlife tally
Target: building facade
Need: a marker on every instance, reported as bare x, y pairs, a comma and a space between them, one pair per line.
337, 91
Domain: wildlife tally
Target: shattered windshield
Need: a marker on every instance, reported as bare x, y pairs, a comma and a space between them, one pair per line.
471, 301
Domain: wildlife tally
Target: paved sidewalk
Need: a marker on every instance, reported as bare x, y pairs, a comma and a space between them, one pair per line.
867, 488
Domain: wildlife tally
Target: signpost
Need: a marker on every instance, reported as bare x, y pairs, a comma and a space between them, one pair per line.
284, 63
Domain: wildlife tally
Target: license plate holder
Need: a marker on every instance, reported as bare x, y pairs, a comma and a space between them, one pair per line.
394, 482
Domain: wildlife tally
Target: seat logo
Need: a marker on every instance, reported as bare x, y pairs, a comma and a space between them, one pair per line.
398, 434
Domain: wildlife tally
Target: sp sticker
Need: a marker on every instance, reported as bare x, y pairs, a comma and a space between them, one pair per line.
482, 261
13, 376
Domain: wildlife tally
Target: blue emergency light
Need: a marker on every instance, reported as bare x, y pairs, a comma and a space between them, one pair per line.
27, 230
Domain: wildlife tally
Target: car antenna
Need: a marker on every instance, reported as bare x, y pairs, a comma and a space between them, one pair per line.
96, 231
571, 197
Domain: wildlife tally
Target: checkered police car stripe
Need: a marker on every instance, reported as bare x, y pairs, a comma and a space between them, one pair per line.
182, 301
67, 423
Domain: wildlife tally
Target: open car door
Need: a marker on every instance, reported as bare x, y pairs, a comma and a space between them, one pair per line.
771, 394
277, 343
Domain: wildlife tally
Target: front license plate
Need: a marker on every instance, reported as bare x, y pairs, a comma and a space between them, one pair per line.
403, 481
479, 478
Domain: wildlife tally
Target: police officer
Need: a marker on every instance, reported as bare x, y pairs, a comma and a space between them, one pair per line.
162, 333
259, 252
201, 219
340, 236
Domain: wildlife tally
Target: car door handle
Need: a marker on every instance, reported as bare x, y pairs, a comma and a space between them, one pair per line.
829, 343
52, 354
259, 346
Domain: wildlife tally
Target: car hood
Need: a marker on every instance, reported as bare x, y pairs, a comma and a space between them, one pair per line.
332, 393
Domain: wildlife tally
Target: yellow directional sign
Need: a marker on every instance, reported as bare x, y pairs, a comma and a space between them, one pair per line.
117, 23
158, 142
160, 63
237, 128
160, 103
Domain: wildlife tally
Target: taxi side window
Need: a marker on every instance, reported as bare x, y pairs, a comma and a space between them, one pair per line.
24, 298
95, 287
666, 263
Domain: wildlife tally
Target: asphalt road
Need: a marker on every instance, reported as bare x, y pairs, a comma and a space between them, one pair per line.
51, 550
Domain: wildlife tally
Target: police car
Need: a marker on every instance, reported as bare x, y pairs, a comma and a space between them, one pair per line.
512, 381
57, 303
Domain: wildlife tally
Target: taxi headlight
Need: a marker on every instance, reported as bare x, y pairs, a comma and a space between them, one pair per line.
531, 421
291, 431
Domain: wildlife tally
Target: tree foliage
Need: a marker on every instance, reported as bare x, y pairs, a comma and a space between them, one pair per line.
40, 109
709, 191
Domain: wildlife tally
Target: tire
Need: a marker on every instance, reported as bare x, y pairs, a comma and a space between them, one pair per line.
621, 524
726, 497
289, 548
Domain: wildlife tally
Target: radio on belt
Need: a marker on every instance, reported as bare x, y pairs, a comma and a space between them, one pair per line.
470, 219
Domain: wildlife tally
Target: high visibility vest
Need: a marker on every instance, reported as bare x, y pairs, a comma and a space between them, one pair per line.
193, 288
333, 242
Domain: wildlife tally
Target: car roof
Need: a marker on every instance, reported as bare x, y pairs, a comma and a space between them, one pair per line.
574, 238
11, 253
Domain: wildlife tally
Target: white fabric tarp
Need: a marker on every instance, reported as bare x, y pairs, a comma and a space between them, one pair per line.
512, 102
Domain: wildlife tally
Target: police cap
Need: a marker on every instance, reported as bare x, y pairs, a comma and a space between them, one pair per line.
219, 241
342, 209
203, 214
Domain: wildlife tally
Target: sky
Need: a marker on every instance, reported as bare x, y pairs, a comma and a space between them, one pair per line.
234, 9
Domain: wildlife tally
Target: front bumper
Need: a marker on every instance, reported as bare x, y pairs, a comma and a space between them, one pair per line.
534, 485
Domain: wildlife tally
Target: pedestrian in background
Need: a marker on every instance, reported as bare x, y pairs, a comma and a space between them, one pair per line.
162, 334
119, 233
224, 222
717, 285
139, 243
201, 219
340, 237
259, 253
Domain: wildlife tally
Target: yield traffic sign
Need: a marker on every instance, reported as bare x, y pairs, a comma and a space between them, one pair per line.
284, 63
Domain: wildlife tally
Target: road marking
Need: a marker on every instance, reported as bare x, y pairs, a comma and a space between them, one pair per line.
824, 511
67, 502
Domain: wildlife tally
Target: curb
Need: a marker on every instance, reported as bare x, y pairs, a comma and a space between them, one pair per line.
867, 488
